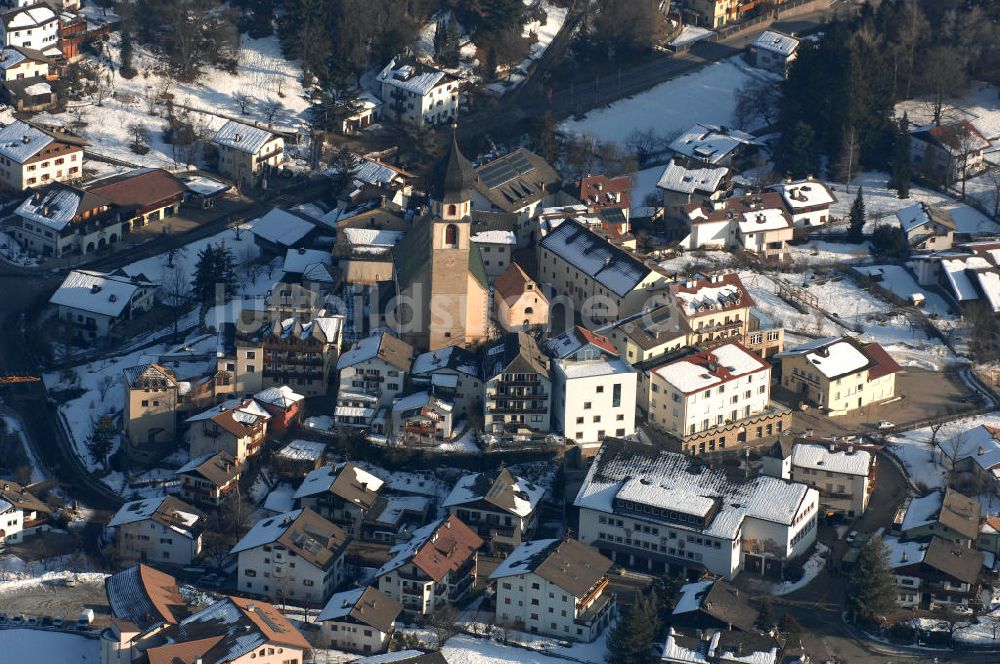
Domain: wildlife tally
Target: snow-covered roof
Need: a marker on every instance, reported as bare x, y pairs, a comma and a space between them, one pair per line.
244, 138
592, 368
167, 511
717, 292
708, 368
921, 214
804, 194
297, 261
711, 143
506, 491
282, 396
609, 265
419, 400
983, 438
54, 208
765, 219
341, 604
28, 17
668, 483
325, 479
676, 177
450, 357
690, 596
302, 450
412, 76
832, 356
820, 457
495, 237
96, 292
959, 279
281, 227
776, 42
372, 237
379, 345
36, 89
266, 531
902, 553
922, 511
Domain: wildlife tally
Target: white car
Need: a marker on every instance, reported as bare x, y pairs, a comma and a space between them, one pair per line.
886, 424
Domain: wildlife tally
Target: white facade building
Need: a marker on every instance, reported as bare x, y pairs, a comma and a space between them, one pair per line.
296, 556
554, 587
35, 26
246, 151
660, 511
808, 201
593, 389
31, 157
93, 303
709, 389
165, 530
414, 92
359, 620
377, 366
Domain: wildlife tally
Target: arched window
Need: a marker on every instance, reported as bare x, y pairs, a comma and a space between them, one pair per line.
452, 210
529, 310
451, 235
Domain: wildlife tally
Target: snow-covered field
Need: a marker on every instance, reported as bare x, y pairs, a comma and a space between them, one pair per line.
27, 645
262, 73
823, 252
644, 184
708, 96
466, 649
981, 107
881, 203
811, 569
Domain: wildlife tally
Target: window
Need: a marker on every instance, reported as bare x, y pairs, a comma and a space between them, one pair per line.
600, 389
586, 405
451, 235
616, 395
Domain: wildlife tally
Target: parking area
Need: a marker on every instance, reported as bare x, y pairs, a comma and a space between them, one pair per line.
923, 394
56, 599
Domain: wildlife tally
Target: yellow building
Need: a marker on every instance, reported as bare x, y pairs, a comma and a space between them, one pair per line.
441, 281
150, 414
839, 374
520, 303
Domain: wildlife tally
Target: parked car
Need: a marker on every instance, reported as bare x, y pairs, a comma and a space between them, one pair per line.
885, 424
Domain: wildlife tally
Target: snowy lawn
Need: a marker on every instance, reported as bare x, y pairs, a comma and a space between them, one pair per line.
981, 107
913, 448
644, 185
25, 645
262, 73
466, 649
811, 570
682, 263
901, 283
706, 96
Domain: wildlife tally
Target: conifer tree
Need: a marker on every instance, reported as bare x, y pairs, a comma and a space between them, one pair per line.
902, 167
127, 51
101, 440
872, 587
855, 230
634, 633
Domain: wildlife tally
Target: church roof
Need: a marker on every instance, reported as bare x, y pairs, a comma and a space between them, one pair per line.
476, 267
451, 180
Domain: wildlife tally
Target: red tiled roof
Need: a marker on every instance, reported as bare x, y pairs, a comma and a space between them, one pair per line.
148, 189
596, 339
451, 545
883, 365
594, 190
511, 284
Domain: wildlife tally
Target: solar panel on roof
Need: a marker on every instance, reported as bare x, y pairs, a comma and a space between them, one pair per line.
504, 170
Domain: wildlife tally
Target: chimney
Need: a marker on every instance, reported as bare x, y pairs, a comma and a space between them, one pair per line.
981, 451
236, 139
25, 139
251, 608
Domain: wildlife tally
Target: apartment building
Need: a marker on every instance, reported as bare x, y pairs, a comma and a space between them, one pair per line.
604, 281
21, 513
236, 427
519, 303
151, 397
593, 389
502, 508
808, 201
452, 373
412, 91
246, 152
285, 405
34, 26
293, 557
145, 195
95, 306
935, 574
422, 419
649, 335
663, 512
844, 475
519, 183
377, 366
555, 587
144, 602
434, 569
839, 374
946, 514
18, 63
165, 530
715, 399
62, 220
359, 620
685, 182
301, 355
517, 387
209, 479
758, 223
342, 493
31, 156
713, 145
714, 309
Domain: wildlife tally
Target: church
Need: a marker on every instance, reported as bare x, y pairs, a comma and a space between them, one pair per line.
441, 283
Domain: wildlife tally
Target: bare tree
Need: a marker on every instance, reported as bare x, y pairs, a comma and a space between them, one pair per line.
967, 144
993, 178
271, 108
250, 265
443, 624
952, 448
756, 104
140, 137
243, 100
176, 294
104, 386
642, 142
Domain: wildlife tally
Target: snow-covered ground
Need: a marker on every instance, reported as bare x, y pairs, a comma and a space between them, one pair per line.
262, 73
466, 649
826, 253
691, 34
981, 107
27, 645
13, 424
707, 96
901, 283
811, 569
881, 203
545, 32
644, 184
682, 263
20, 577
10, 251
922, 463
